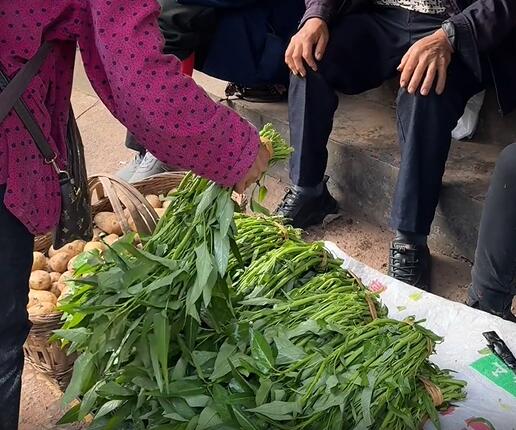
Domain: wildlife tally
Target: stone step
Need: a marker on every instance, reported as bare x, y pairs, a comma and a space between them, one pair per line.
364, 163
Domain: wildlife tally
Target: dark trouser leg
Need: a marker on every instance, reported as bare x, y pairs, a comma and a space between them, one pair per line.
132, 143
425, 124
364, 51
495, 259
16, 245
312, 103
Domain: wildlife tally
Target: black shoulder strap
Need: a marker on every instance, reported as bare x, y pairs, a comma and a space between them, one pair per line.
10, 97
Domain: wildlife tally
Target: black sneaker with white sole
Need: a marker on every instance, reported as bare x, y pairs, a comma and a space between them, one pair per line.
411, 264
304, 210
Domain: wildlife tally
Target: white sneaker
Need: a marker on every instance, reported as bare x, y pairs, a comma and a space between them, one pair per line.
126, 172
149, 166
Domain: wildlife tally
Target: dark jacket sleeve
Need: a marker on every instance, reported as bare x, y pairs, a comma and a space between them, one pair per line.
323, 9
481, 27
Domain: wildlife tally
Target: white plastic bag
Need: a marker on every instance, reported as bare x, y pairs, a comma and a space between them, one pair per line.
468, 123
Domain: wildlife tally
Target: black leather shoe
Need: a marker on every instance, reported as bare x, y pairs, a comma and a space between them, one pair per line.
411, 264
303, 211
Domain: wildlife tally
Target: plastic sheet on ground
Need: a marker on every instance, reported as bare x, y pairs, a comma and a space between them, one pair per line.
491, 390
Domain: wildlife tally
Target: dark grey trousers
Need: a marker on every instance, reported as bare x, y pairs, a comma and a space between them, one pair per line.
364, 51
494, 272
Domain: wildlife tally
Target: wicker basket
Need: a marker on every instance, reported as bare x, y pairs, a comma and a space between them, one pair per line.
48, 357
108, 194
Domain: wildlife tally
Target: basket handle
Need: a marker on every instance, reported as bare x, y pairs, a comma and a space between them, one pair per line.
143, 214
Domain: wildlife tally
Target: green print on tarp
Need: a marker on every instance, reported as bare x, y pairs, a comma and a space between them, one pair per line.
497, 372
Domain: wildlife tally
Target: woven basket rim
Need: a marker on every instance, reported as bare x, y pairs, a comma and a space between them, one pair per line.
47, 318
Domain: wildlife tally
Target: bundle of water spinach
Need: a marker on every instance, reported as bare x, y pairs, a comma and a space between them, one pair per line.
322, 354
136, 315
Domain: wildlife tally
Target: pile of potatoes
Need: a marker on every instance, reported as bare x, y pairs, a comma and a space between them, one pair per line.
49, 274
47, 281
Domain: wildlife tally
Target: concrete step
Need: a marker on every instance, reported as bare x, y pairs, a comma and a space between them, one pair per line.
364, 163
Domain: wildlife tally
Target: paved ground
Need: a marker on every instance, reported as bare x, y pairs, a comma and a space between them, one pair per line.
105, 152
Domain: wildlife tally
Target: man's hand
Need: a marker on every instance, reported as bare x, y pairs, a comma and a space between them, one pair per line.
427, 60
313, 36
257, 169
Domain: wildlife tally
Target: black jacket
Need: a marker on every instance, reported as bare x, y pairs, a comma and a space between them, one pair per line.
485, 34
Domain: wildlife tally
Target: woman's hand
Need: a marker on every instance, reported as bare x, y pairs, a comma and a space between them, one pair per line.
425, 62
313, 36
257, 169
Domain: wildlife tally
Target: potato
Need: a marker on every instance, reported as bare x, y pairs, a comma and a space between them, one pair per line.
39, 261
73, 248
54, 289
64, 293
160, 212
52, 251
90, 246
36, 296
130, 220
108, 223
166, 204
154, 201
40, 309
66, 276
40, 280
76, 247
111, 239
97, 233
132, 224
54, 276
69, 267
59, 262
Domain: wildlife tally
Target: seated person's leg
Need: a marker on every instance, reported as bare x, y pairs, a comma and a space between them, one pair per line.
494, 271
425, 124
248, 49
364, 50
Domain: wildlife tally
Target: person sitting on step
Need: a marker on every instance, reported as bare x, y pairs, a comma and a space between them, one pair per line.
443, 51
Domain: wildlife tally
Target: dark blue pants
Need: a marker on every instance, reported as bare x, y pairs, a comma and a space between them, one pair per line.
494, 272
364, 51
16, 245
